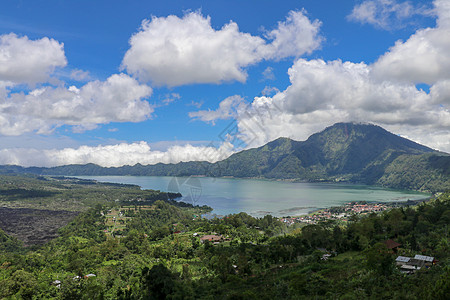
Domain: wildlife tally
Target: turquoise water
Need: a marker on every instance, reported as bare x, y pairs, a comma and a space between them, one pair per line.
261, 197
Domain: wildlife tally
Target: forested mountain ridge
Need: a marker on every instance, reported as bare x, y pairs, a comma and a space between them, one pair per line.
342, 149
351, 152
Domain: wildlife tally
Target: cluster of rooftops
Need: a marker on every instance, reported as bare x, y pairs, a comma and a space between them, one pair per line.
411, 264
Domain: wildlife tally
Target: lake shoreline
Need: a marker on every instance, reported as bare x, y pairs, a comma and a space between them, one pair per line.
259, 197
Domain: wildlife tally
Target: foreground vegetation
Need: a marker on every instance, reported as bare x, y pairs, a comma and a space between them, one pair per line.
153, 250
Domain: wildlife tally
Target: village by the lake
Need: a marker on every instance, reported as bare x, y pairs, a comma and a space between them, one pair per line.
344, 213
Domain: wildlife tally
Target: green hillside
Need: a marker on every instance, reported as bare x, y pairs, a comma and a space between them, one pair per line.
346, 152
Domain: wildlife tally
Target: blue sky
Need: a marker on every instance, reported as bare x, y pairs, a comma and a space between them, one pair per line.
114, 82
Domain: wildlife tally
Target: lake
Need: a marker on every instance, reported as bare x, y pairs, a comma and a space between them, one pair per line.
261, 197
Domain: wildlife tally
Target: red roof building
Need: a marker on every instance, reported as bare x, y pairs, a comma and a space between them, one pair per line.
212, 238
391, 244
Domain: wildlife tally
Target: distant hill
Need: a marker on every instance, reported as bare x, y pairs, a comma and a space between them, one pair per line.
350, 152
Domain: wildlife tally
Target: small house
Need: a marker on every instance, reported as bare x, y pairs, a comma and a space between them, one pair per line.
402, 260
212, 238
425, 260
411, 264
392, 245
409, 269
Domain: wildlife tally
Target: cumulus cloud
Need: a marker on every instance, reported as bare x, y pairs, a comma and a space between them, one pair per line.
119, 98
113, 155
346, 91
385, 14
175, 51
440, 92
424, 57
47, 103
29, 61
228, 108
294, 37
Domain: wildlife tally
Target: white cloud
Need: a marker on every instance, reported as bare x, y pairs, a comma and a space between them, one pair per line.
175, 51
119, 98
29, 61
440, 92
197, 104
228, 108
442, 10
269, 91
424, 57
268, 74
294, 37
169, 98
113, 155
80, 75
385, 14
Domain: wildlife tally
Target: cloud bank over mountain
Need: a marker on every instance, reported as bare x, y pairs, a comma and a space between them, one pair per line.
113, 155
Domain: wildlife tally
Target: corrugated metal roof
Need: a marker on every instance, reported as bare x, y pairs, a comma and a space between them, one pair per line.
423, 257
410, 267
403, 259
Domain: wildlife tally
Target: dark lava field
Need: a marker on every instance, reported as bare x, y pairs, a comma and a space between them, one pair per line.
33, 226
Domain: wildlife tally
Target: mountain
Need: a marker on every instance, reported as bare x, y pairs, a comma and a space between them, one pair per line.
349, 152
342, 149
360, 153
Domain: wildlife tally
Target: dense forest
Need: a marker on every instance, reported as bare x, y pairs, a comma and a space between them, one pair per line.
357, 153
164, 250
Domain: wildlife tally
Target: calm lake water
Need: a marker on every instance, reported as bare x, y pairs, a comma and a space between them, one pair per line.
261, 197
